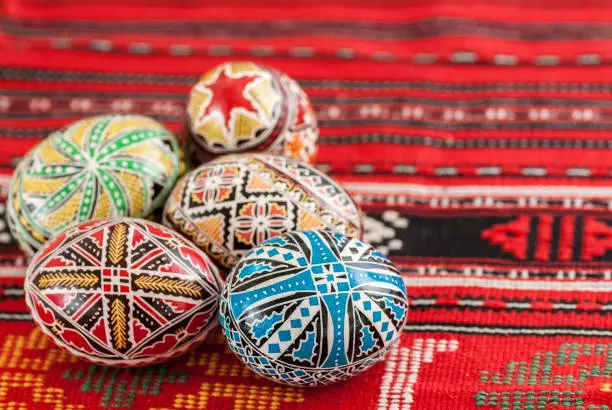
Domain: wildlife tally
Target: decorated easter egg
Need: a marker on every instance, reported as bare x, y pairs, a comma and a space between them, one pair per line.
113, 165
312, 307
229, 205
243, 106
123, 292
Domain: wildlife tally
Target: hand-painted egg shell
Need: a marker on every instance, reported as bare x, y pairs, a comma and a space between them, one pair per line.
232, 204
98, 167
243, 106
311, 308
123, 292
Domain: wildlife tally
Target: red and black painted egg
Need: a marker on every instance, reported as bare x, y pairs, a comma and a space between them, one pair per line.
123, 292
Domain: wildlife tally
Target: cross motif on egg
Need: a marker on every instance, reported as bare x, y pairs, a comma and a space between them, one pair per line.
235, 202
312, 307
122, 292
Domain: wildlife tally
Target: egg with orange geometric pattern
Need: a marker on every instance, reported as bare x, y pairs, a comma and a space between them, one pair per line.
235, 202
244, 106
123, 292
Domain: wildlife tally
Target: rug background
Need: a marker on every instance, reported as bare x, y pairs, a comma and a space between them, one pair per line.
476, 136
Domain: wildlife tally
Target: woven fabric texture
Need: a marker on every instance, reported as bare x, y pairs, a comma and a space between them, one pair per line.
474, 135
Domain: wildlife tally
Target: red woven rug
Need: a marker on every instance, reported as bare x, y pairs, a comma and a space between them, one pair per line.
476, 137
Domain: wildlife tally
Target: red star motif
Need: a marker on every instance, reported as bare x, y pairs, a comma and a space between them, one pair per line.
228, 93
303, 110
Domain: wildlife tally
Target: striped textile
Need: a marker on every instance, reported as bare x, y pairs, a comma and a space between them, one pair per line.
475, 135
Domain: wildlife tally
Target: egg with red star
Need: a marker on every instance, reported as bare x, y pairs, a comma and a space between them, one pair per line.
244, 106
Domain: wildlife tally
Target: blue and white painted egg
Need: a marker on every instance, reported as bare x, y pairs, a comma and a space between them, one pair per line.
312, 308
